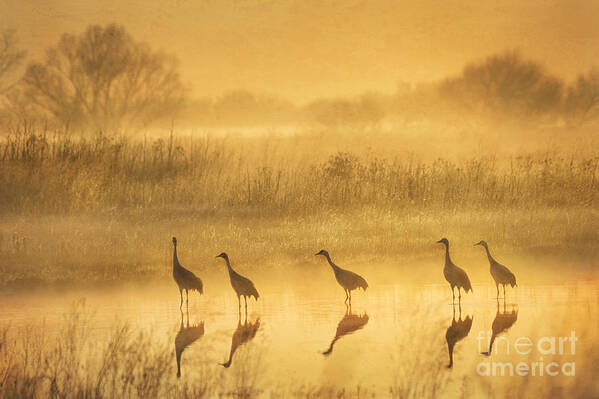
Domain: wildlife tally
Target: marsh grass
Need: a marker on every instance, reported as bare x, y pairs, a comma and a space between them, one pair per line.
60, 175
71, 364
98, 209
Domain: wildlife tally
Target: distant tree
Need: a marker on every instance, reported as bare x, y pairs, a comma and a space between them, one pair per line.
11, 58
582, 98
505, 84
103, 80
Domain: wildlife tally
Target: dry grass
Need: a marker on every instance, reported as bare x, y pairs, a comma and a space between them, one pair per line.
104, 209
107, 174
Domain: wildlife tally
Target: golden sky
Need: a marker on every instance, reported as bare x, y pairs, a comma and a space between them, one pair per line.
310, 48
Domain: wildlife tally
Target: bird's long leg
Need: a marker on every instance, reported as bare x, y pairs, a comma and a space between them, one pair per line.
452, 295
346, 296
497, 286
181, 294
239, 305
349, 297
187, 299
459, 296
245, 298
503, 292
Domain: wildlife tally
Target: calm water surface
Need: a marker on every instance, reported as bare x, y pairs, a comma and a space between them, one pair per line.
307, 336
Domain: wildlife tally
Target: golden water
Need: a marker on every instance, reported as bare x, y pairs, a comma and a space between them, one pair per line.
394, 336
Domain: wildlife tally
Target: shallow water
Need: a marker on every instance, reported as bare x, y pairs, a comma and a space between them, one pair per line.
393, 336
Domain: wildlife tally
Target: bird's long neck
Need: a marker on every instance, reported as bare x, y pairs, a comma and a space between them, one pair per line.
450, 346
229, 265
334, 266
178, 356
234, 346
491, 260
330, 348
230, 360
175, 259
447, 258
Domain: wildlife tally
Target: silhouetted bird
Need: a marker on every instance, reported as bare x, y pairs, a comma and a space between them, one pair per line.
501, 274
347, 280
185, 279
185, 337
348, 324
242, 286
455, 276
457, 331
503, 321
244, 333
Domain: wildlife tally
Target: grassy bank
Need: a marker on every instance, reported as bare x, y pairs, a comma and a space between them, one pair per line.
104, 209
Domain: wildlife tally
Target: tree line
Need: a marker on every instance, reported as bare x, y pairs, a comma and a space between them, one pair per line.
104, 80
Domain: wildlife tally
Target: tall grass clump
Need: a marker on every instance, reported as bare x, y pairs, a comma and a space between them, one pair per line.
41, 174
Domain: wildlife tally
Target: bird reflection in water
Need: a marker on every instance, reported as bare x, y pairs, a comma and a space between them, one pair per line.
186, 336
503, 321
243, 333
348, 324
457, 331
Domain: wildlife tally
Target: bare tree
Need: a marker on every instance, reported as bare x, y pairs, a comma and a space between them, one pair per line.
104, 80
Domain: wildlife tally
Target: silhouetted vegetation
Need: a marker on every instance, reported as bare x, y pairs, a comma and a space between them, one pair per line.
104, 80
67, 201
132, 363
505, 85
43, 174
582, 100
100, 80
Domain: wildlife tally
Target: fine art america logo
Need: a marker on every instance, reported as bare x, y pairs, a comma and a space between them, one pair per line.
552, 347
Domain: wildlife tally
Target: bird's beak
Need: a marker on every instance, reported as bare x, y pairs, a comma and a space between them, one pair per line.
217, 256
317, 254
478, 243
439, 242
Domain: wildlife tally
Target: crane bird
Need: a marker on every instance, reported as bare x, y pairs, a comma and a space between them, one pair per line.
455, 276
348, 324
502, 322
457, 331
242, 286
185, 279
347, 280
501, 274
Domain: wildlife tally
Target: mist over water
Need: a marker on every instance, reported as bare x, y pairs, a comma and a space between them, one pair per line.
396, 339
271, 131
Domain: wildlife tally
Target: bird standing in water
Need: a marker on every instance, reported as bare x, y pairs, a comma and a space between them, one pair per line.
455, 276
347, 280
242, 286
501, 274
185, 279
